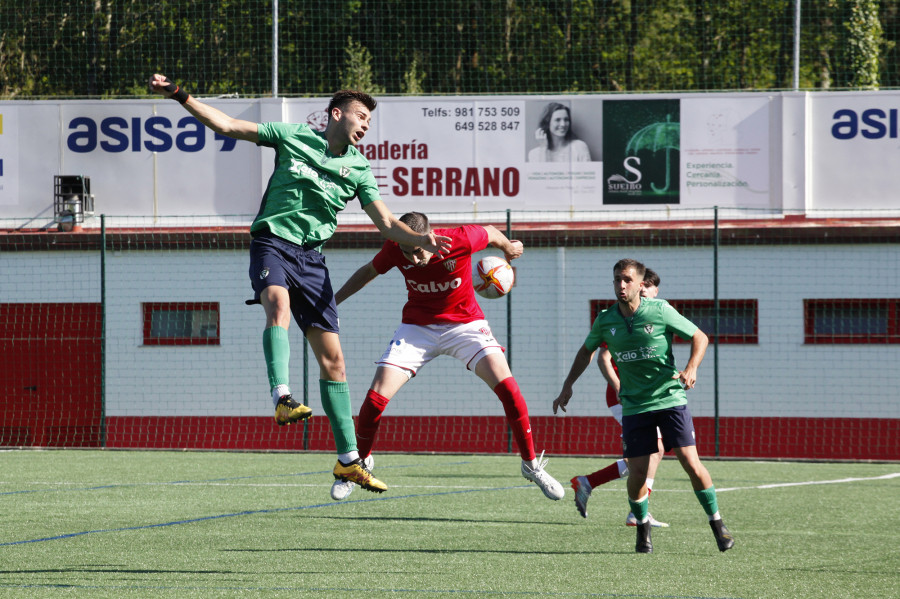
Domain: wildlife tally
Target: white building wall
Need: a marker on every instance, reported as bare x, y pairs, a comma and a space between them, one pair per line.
550, 319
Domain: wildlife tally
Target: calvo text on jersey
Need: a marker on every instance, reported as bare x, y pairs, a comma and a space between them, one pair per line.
432, 287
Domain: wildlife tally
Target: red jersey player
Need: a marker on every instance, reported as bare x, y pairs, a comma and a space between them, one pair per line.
442, 316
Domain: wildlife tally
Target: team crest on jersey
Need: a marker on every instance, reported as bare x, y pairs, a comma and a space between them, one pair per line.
345, 170
450, 264
648, 328
264, 272
612, 331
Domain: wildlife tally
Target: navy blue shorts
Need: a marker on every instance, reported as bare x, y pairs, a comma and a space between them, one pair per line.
302, 271
639, 436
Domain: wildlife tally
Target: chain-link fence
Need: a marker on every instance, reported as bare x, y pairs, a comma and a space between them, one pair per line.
421, 47
144, 338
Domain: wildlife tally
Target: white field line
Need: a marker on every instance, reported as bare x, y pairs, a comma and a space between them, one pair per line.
524, 485
812, 482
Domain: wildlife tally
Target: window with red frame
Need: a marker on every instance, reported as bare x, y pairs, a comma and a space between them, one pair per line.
831, 321
738, 318
181, 323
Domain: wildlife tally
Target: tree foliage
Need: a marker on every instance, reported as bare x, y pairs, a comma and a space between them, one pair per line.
860, 36
108, 48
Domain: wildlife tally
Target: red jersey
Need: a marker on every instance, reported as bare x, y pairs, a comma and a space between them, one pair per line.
440, 292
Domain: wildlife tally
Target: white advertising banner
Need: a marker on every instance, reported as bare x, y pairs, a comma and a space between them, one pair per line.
9, 155
725, 156
472, 155
547, 153
854, 150
143, 158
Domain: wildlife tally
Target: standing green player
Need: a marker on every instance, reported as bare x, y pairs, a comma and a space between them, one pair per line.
638, 332
316, 174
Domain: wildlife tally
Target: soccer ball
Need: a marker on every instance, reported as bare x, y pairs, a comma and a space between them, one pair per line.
493, 277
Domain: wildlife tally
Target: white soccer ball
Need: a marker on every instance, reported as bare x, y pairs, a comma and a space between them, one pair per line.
493, 277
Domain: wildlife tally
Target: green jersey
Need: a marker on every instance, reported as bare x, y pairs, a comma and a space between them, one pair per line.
641, 347
309, 185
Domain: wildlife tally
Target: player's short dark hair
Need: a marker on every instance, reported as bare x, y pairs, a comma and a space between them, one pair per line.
624, 263
416, 221
651, 277
341, 99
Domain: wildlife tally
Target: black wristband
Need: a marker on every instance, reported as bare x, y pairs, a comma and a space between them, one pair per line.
177, 93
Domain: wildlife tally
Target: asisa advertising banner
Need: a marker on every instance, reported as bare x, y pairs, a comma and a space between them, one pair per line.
855, 141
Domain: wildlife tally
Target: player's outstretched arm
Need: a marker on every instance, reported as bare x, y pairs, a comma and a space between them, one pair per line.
579, 365
512, 249
391, 228
362, 277
211, 117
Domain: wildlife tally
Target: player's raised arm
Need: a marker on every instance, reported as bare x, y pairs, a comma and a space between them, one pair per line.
391, 228
511, 248
579, 364
362, 277
211, 117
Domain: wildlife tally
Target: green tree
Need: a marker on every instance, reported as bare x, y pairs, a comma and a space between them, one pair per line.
357, 72
107, 48
860, 42
413, 78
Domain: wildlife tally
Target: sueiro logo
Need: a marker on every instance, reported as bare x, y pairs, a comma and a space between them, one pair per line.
154, 134
873, 123
621, 183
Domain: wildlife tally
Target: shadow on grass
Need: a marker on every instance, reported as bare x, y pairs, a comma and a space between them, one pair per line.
432, 519
109, 569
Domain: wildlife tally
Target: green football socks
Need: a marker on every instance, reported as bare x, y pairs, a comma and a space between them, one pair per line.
277, 350
336, 403
707, 498
640, 508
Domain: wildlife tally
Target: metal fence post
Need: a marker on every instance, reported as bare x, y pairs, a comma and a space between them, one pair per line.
102, 330
305, 391
716, 324
274, 48
509, 436
796, 45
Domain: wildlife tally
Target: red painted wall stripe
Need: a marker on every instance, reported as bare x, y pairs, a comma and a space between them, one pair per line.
764, 437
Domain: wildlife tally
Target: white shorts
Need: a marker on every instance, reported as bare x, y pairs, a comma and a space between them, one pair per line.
414, 346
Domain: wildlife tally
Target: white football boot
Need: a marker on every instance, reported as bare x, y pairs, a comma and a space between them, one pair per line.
549, 485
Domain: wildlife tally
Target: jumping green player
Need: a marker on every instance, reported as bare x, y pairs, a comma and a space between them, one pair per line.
316, 174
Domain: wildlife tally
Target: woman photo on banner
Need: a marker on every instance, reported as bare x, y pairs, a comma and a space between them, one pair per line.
555, 140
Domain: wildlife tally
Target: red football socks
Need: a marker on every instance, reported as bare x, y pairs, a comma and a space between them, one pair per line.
516, 416
369, 418
603, 476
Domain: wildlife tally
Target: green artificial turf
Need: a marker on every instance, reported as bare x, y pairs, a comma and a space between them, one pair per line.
80, 523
